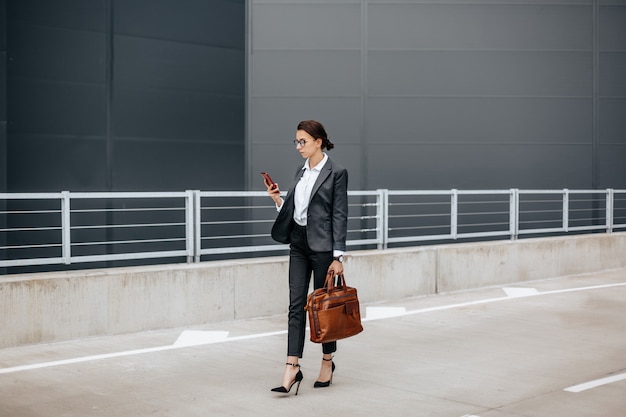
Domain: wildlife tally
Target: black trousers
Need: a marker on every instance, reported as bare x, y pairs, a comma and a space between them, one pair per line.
303, 261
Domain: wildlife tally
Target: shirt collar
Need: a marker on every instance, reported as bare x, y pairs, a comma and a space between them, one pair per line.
319, 166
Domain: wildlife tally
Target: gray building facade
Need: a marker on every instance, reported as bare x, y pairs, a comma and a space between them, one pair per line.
444, 94
171, 95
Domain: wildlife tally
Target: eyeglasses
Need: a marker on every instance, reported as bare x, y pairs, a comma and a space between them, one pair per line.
299, 142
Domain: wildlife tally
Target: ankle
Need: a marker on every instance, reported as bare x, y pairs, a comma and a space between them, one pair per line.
291, 368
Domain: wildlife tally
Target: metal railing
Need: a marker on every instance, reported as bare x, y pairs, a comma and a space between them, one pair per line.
71, 228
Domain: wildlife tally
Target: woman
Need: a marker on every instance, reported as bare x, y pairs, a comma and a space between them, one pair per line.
313, 219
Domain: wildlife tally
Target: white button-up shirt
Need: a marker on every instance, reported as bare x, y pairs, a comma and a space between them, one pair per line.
303, 190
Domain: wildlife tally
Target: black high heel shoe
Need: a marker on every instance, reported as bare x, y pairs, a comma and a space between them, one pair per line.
297, 379
319, 384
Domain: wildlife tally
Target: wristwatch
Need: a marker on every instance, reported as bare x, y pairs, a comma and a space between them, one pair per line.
338, 258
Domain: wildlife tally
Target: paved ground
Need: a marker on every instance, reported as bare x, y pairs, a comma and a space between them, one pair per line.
553, 348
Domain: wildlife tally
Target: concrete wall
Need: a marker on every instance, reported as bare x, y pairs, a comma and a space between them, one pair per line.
47, 307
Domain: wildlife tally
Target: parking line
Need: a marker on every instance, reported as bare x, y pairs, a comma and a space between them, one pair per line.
596, 383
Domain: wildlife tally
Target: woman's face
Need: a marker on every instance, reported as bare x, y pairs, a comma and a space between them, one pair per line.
311, 145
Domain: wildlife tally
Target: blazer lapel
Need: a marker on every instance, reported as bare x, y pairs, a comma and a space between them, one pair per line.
328, 167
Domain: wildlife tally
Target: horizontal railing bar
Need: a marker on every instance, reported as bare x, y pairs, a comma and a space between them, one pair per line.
30, 262
124, 210
419, 192
361, 230
128, 195
484, 224
362, 242
242, 249
418, 204
418, 238
537, 231
539, 211
482, 213
31, 196
541, 201
220, 237
124, 226
30, 212
31, 229
579, 228
363, 218
235, 222
405, 216
42, 245
123, 242
483, 234
129, 256
482, 202
419, 227
540, 221
236, 208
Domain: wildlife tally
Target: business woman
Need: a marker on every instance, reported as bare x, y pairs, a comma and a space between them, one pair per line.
313, 219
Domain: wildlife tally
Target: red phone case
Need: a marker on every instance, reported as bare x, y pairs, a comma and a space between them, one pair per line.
268, 179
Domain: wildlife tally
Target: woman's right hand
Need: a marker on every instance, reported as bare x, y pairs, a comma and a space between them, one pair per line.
274, 192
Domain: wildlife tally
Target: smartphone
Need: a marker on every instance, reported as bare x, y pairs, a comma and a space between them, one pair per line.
268, 179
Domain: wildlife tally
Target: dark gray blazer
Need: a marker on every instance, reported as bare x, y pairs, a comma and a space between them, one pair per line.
327, 215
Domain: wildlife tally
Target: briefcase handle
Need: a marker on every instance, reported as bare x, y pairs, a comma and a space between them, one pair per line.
329, 283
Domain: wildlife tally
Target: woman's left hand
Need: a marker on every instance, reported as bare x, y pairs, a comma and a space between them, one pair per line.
337, 267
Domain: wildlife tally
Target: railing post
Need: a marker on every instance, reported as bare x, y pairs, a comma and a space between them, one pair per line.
197, 219
189, 225
454, 212
565, 210
382, 216
609, 210
66, 235
514, 213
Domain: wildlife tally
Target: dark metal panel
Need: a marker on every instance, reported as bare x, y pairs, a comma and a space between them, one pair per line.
174, 165
613, 122
327, 26
479, 120
3, 28
311, 73
50, 108
472, 166
178, 98
612, 73
3, 93
480, 73
143, 113
217, 23
77, 15
611, 155
167, 64
612, 26
612, 169
479, 26
39, 163
59, 54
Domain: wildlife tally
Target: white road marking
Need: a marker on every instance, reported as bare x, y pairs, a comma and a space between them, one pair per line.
375, 313
598, 382
197, 337
520, 292
214, 339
